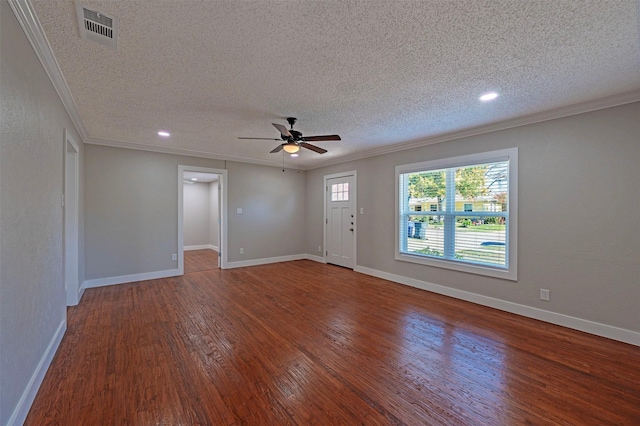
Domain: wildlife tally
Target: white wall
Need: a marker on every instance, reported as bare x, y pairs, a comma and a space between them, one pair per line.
197, 215
32, 292
578, 215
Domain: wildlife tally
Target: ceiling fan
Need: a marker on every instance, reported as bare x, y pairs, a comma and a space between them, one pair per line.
293, 139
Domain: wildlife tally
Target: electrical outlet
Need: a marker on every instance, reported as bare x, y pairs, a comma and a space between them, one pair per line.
239, 210
174, 256
544, 294
241, 251
320, 249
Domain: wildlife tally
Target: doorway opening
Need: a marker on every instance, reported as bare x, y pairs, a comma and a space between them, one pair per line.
71, 209
340, 219
202, 236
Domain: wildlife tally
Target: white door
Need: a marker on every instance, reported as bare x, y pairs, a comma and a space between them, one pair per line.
341, 223
72, 285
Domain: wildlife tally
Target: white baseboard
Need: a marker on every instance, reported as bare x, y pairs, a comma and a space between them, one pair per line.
24, 404
587, 326
315, 258
101, 282
201, 247
74, 299
611, 332
264, 261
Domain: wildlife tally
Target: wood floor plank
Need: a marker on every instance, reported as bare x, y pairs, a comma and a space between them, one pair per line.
303, 343
200, 260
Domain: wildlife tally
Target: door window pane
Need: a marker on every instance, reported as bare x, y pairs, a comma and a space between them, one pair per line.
340, 192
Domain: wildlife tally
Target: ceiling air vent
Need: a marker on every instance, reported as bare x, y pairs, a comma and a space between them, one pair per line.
97, 26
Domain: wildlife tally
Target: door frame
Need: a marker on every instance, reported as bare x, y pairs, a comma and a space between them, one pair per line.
71, 218
354, 174
222, 205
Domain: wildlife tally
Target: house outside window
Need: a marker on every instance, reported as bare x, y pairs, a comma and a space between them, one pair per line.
471, 224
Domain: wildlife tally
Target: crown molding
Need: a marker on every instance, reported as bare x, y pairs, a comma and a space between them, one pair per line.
23, 10
552, 114
185, 152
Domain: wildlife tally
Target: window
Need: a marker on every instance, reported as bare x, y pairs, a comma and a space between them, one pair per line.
472, 219
340, 192
418, 208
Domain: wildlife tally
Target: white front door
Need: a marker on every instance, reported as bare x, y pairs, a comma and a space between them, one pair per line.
340, 225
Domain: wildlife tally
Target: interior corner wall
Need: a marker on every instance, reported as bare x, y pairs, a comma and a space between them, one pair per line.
32, 146
272, 219
196, 214
578, 232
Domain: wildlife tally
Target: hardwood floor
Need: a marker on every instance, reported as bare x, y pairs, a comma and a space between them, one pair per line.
306, 343
200, 260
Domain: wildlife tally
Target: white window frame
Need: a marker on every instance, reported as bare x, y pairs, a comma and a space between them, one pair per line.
511, 271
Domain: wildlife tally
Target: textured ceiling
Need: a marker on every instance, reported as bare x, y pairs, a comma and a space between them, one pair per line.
376, 72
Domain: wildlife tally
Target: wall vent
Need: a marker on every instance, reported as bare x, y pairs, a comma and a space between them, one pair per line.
98, 26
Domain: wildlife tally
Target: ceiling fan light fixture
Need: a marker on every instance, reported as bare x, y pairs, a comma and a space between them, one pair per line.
291, 140
291, 147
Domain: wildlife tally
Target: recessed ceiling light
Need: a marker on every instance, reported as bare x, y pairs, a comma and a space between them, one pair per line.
194, 179
488, 96
164, 133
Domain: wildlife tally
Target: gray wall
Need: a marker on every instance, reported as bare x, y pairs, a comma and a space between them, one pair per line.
32, 293
196, 199
131, 210
578, 215
272, 222
131, 200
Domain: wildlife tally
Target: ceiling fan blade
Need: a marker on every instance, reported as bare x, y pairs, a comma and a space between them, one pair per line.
322, 138
276, 149
263, 139
313, 148
283, 130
